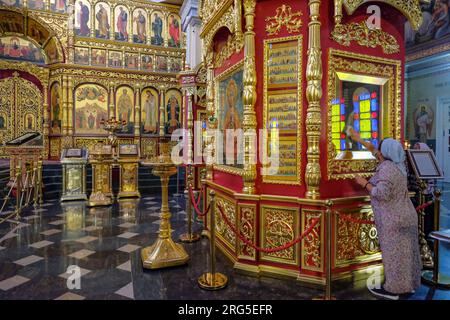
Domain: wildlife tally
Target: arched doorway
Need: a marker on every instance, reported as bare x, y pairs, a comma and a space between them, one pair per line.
21, 107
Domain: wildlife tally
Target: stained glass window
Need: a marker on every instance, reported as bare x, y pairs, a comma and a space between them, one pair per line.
361, 110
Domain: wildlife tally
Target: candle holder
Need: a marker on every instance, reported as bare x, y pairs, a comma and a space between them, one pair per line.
113, 126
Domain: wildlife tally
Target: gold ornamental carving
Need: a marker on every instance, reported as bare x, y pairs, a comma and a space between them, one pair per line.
314, 74
233, 45
312, 246
344, 34
410, 9
284, 17
247, 228
224, 233
279, 225
355, 241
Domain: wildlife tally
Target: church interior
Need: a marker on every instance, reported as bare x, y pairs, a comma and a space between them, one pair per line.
224, 149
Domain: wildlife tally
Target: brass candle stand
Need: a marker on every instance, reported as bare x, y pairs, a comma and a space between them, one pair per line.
164, 252
112, 126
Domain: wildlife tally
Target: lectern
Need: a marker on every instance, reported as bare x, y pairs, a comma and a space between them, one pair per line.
129, 167
74, 174
101, 161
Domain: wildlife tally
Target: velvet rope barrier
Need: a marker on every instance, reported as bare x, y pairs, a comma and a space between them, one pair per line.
424, 206
195, 204
266, 250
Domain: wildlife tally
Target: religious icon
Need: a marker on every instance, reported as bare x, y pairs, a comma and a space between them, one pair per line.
11, 22
29, 121
3, 121
131, 60
140, 19
82, 21
98, 57
125, 108
81, 55
58, 6
173, 115
121, 23
36, 4
424, 117
91, 107
146, 62
15, 3
115, 59
231, 112
161, 64
55, 106
52, 51
102, 21
174, 32
157, 29
149, 113
37, 32
175, 65
16, 48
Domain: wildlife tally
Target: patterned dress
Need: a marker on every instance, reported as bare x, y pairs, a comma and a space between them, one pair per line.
397, 225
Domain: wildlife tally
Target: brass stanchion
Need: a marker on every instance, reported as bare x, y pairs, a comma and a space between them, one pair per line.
328, 266
434, 278
36, 184
212, 280
18, 189
189, 237
40, 194
27, 186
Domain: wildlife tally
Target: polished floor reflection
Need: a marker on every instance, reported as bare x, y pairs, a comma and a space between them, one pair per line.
105, 243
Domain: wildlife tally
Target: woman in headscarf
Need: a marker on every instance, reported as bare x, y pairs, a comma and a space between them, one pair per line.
395, 218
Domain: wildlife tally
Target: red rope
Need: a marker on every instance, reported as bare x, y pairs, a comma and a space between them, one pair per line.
424, 206
195, 204
266, 250
361, 221
354, 220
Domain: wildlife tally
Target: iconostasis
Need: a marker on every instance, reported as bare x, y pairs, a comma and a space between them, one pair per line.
305, 71
89, 60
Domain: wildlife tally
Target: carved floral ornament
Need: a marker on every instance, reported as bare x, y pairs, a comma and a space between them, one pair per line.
284, 17
344, 34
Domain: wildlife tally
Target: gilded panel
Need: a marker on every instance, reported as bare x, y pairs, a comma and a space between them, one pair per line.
355, 242
224, 233
247, 228
313, 244
278, 226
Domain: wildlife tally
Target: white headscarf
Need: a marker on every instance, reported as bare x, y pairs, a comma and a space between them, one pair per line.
393, 150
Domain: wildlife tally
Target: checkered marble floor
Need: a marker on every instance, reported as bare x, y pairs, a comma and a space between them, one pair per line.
40, 256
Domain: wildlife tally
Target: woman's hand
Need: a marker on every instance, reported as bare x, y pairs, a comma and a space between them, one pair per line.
361, 181
353, 134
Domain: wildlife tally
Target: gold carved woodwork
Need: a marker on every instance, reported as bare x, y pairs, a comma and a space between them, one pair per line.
249, 100
342, 61
278, 226
21, 107
312, 245
55, 147
314, 74
284, 17
228, 15
355, 242
231, 46
148, 148
129, 179
88, 143
41, 73
223, 232
344, 34
247, 228
410, 9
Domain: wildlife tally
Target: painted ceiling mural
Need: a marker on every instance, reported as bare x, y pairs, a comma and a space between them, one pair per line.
435, 29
